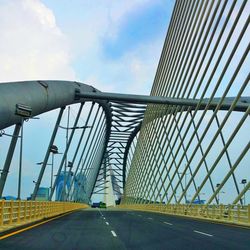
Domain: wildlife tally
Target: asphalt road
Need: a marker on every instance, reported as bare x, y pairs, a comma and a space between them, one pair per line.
106, 229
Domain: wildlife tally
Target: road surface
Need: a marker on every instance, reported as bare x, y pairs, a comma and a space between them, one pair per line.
110, 229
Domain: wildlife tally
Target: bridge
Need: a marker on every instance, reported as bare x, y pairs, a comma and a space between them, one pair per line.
171, 167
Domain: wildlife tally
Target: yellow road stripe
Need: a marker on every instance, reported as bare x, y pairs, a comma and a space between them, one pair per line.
30, 227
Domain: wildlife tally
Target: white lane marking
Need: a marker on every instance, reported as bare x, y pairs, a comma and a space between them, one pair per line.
168, 223
100, 212
107, 223
114, 234
139, 215
150, 218
198, 232
104, 218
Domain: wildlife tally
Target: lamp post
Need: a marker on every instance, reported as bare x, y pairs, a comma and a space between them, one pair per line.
185, 181
199, 194
220, 192
244, 181
24, 112
53, 150
20, 162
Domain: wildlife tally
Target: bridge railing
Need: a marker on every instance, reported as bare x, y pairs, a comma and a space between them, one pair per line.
15, 213
225, 213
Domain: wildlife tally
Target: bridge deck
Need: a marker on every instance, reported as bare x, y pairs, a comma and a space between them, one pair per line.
112, 229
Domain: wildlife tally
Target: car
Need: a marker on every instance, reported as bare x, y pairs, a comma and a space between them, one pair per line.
95, 204
102, 205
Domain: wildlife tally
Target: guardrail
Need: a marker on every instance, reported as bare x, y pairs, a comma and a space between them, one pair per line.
236, 214
15, 213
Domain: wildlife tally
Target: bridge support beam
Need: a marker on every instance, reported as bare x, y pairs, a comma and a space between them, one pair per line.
46, 158
65, 153
8, 160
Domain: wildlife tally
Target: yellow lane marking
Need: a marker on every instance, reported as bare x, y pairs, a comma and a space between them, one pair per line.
30, 227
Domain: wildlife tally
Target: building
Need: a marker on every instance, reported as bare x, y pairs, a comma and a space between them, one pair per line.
42, 194
79, 193
60, 184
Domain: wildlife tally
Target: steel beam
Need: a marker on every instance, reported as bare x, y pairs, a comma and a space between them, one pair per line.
46, 158
241, 106
8, 160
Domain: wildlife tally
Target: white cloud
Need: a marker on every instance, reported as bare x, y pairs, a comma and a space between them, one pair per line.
134, 71
32, 46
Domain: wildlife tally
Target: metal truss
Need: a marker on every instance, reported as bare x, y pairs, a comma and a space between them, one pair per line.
126, 118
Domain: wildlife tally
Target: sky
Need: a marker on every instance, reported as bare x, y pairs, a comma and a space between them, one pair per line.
111, 45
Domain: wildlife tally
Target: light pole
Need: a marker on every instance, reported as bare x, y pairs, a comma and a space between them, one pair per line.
20, 162
65, 165
199, 194
217, 185
53, 150
25, 112
185, 182
244, 181
220, 192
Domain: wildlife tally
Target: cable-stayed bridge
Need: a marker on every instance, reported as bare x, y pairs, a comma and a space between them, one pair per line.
182, 150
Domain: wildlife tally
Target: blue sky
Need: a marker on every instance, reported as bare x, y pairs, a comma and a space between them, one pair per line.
111, 45
141, 26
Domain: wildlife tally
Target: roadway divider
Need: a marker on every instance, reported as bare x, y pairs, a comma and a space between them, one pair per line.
234, 214
17, 213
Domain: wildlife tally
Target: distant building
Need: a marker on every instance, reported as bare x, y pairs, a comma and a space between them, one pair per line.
201, 202
60, 184
79, 193
9, 197
42, 194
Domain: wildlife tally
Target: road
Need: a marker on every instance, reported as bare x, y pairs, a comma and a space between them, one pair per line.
104, 229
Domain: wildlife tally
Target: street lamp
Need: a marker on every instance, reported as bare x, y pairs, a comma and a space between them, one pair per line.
220, 192
53, 150
25, 112
185, 181
244, 181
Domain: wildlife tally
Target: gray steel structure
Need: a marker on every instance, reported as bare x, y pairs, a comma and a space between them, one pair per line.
112, 130
183, 130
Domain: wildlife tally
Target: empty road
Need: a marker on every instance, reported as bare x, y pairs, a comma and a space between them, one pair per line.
110, 229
